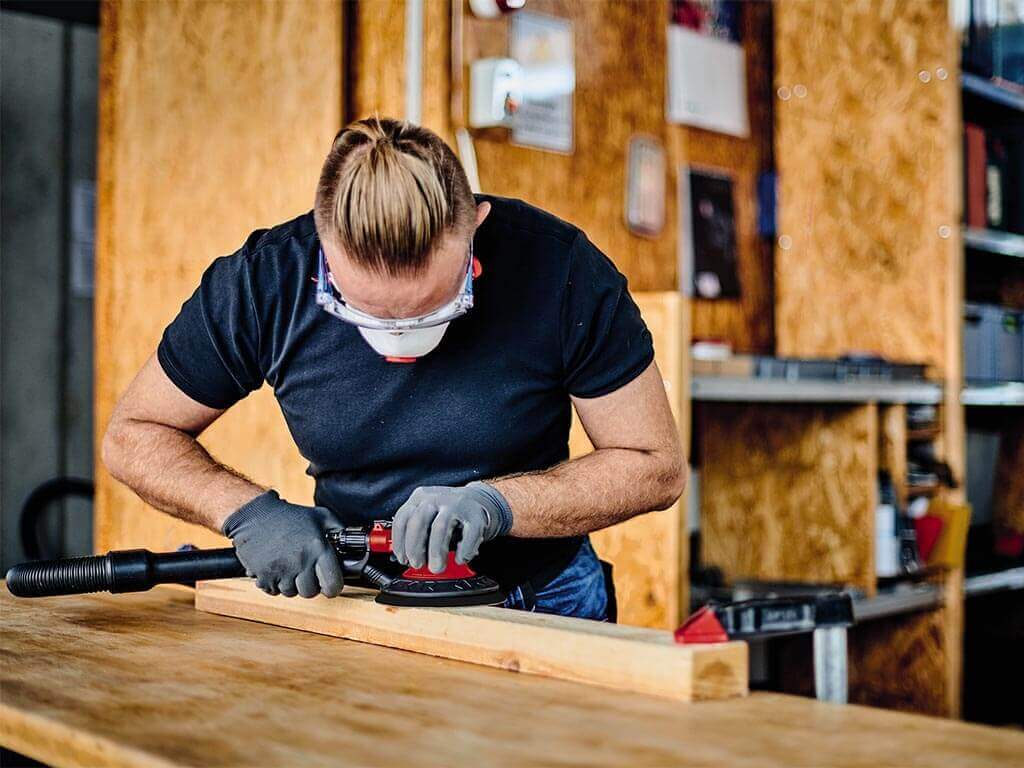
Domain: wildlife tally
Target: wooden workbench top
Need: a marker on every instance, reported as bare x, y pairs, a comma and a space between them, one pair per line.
145, 680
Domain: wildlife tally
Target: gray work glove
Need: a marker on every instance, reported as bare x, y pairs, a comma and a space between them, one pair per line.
284, 546
423, 525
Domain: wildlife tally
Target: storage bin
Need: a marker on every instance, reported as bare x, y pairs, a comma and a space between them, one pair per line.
993, 343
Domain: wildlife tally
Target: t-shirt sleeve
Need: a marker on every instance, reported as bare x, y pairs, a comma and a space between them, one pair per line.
605, 342
211, 349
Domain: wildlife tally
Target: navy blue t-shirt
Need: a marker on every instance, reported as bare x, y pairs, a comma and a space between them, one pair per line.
552, 317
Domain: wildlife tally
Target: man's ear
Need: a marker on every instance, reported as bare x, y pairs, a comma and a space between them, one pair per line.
481, 213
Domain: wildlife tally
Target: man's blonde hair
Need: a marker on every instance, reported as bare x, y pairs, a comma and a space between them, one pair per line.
388, 191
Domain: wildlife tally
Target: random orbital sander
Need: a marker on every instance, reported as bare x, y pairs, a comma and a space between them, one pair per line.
364, 552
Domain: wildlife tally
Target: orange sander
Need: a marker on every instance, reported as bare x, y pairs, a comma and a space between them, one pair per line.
365, 554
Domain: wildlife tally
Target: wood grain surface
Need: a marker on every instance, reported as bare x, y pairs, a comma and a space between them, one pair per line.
214, 120
866, 186
648, 553
789, 493
606, 655
145, 680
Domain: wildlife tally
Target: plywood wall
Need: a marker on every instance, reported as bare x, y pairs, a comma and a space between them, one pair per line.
620, 92
866, 111
650, 553
215, 119
789, 493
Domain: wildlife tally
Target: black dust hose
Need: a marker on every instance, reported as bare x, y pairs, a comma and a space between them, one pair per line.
130, 570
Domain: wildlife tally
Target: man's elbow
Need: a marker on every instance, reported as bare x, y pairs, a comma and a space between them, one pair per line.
673, 479
114, 449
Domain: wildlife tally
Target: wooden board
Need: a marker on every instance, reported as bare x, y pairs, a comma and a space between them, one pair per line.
649, 554
607, 655
213, 123
866, 186
745, 322
145, 680
789, 493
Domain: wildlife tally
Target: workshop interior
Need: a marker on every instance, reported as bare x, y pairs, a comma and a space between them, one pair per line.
818, 210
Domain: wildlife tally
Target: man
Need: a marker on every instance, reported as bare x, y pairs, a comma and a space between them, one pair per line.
424, 346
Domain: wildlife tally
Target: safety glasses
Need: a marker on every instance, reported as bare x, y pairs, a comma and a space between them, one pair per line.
332, 302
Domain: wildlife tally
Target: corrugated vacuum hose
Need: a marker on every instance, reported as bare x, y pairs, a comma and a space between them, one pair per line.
130, 570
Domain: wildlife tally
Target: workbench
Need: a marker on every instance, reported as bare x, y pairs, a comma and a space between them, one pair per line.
146, 680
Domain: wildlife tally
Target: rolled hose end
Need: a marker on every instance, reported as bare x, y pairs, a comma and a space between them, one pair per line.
73, 576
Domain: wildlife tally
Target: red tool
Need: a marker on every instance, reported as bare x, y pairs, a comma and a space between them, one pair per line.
456, 585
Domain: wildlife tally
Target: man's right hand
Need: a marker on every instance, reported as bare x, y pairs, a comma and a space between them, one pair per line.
284, 546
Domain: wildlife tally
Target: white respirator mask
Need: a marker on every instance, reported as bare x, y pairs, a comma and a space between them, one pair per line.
404, 346
398, 340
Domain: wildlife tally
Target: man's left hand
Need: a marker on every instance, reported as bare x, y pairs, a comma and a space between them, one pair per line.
423, 526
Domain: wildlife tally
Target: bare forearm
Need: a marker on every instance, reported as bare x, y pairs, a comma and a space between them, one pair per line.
171, 471
592, 492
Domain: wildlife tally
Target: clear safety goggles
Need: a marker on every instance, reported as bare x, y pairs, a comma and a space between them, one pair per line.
331, 300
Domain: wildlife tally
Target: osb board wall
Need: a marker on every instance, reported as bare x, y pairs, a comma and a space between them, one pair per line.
650, 553
746, 322
620, 92
789, 493
376, 58
376, 55
213, 123
865, 183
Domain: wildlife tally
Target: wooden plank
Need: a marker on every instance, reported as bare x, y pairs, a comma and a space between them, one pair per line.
649, 553
789, 492
213, 123
608, 655
145, 680
863, 145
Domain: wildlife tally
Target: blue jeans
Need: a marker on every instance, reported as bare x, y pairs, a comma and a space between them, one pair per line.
577, 591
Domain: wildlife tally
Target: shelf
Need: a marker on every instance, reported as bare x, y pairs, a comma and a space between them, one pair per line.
904, 598
1010, 393
753, 390
994, 241
992, 92
1000, 581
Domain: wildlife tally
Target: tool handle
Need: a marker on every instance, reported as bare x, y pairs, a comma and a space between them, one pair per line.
131, 570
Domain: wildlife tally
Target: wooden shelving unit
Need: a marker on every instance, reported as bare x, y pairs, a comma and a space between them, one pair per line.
789, 469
